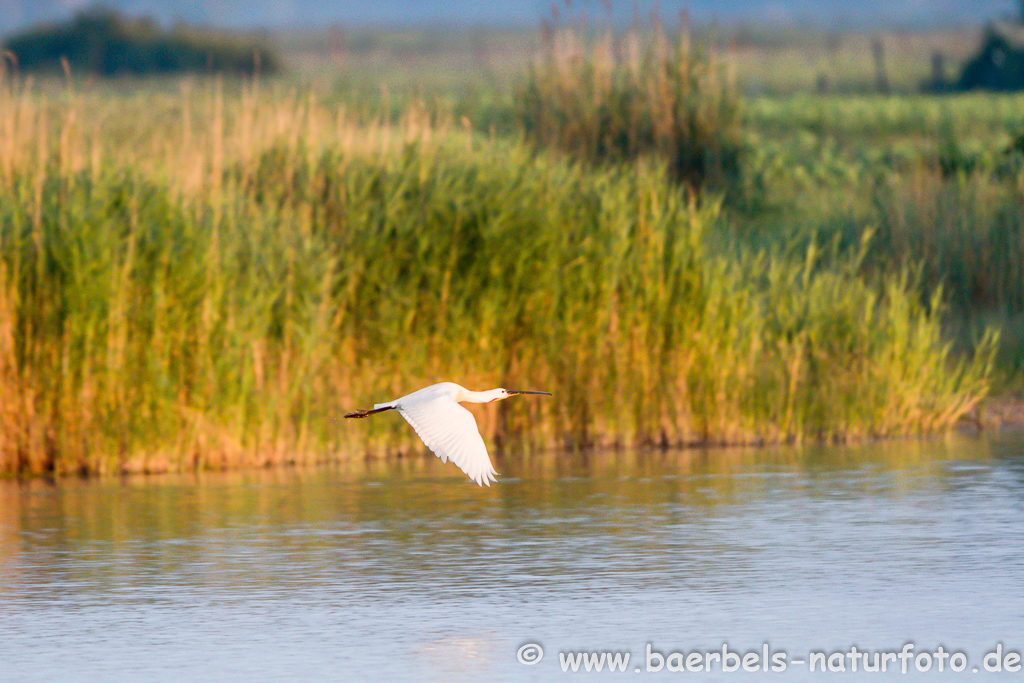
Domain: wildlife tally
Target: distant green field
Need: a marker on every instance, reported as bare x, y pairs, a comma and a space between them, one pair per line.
207, 273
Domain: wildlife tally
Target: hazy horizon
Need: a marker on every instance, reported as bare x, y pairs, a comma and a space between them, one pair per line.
304, 14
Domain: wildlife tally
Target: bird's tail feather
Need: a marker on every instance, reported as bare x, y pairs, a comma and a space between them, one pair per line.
365, 413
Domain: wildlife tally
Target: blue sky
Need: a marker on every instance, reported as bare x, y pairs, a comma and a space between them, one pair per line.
271, 14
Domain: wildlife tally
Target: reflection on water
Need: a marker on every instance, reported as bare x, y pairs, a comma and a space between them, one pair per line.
408, 571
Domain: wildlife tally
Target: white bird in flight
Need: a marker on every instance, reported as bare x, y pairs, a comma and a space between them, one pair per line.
447, 428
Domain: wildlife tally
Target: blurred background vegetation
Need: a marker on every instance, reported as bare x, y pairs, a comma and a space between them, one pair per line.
102, 42
689, 236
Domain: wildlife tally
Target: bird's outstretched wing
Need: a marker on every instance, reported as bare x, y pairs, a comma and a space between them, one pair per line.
450, 431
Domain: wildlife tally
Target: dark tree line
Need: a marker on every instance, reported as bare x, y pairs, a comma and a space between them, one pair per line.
105, 43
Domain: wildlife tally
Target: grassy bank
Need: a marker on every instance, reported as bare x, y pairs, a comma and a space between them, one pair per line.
216, 281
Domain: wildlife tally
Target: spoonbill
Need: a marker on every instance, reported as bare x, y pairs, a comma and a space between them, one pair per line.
447, 428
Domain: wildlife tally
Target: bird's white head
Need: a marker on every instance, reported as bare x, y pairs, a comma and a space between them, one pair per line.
464, 395
498, 394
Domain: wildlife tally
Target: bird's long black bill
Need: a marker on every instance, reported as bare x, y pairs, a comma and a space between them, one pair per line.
513, 393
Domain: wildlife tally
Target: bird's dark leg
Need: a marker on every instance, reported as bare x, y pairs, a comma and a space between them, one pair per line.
365, 413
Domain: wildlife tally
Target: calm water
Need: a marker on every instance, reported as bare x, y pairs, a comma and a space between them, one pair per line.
409, 572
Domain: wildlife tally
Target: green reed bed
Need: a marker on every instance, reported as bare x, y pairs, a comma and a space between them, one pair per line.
147, 326
939, 181
619, 97
967, 234
143, 329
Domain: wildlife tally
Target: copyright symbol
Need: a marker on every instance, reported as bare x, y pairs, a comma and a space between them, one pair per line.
530, 654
